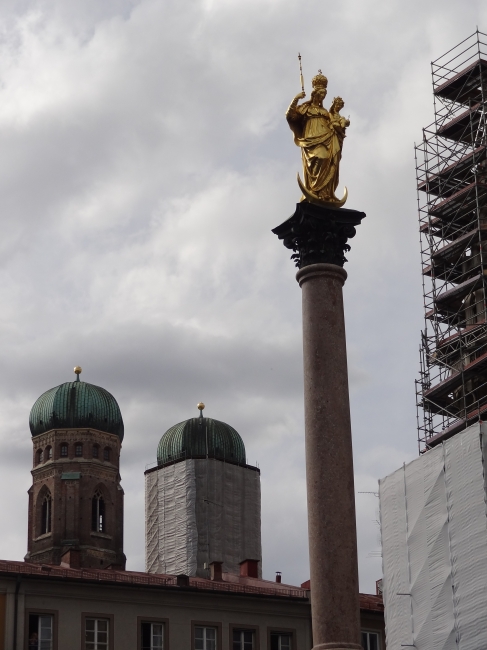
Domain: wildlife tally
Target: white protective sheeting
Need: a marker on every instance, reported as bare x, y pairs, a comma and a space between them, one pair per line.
227, 515
171, 534
434, 547
200, 511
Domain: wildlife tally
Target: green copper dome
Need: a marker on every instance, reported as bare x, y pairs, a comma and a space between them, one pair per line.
201, 438
73, 405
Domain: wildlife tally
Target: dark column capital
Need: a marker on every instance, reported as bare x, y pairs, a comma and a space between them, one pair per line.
319, 235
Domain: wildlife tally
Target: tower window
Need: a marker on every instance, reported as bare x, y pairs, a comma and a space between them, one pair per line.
106, 453
64, 450
98, 513
46, 514
48, 453
78, 449
96, 451
38, 456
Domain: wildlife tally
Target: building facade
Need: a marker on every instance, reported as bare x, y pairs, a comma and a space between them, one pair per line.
87, 609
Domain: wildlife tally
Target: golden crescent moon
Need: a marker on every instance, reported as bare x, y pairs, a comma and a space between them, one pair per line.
312, 198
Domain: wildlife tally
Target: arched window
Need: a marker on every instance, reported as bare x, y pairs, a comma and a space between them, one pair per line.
98, 524
78, 449
48, 453
46, 513
64, 450
96, 451
38, 456
106, 453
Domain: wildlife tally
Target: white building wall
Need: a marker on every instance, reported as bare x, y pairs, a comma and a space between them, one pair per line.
201, 511
434, 545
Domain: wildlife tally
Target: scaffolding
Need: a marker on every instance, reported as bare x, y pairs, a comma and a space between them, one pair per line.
451, 170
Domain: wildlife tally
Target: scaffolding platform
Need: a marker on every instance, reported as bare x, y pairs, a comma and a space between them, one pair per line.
451, 171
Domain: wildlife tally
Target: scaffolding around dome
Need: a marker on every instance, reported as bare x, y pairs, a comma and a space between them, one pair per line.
451, 170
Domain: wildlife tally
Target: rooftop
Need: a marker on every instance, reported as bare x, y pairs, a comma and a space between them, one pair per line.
230, 583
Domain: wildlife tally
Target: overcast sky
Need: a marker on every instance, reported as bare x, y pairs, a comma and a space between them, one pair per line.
144, 160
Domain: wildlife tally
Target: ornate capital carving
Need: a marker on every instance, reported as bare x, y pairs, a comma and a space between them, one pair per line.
319, 235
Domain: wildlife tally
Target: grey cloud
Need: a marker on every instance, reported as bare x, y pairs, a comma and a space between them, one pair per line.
144, 158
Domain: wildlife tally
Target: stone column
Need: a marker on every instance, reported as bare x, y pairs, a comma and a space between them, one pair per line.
329, 463
318, 236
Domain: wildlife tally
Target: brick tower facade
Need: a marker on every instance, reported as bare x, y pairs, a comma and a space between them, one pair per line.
76, 500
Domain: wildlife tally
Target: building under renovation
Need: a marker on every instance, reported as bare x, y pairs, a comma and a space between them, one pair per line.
452, 199
433, 515
202, 502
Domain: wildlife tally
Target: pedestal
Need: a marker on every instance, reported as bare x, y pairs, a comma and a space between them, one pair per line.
319, 238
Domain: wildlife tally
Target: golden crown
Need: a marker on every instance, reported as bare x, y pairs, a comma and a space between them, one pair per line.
319, 80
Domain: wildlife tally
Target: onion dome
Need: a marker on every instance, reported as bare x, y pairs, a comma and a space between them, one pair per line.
201, 438
74, 405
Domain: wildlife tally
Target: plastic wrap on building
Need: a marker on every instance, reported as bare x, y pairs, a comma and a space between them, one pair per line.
171, 534
200, 511
434, 546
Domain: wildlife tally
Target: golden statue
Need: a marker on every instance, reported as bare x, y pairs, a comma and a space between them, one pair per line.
320, 135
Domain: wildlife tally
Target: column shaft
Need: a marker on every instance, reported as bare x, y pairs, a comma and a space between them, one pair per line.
329, 461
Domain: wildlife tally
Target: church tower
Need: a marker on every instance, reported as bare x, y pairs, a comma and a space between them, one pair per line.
203, 503
76, 500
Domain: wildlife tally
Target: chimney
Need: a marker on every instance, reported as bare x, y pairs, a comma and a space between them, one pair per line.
216, 571
249, 569
71, 559
182, 580
278, 576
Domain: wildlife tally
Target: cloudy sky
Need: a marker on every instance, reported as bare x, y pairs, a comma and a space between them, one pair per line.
144, 159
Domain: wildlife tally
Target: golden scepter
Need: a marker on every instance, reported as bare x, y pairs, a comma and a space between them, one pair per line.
301, 72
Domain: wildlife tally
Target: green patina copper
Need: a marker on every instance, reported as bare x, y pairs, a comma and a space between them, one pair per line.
201, 438
73, 405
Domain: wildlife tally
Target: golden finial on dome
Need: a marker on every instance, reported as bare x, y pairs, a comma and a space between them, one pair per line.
78, 370
200, 406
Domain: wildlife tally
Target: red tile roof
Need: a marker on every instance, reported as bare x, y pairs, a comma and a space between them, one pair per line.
230, 583
371, 603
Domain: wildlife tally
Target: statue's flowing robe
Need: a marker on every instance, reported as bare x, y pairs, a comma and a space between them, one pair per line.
320, 137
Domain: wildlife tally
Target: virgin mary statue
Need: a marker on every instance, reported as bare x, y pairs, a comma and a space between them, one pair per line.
319, 133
